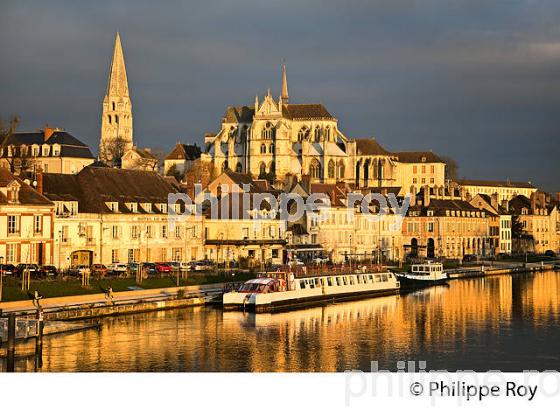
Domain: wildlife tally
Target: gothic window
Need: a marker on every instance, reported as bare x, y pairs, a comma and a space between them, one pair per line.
315, 169
327, 133
243, 134
239, 167
331, 169
113, 106
263, 149
268, 131
109, 118
341, 169
303, 133
262, 169
224, 166
317, 134
232, 131
271, 148
116, 119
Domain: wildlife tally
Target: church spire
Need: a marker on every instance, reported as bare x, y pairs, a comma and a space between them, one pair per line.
117, 85
116, 119
284, 95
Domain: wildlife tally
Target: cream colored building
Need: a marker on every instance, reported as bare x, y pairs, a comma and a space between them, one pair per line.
140, 159
249, 230
26, 223
108, 215
116, 117
539, 223
52, 149
499, 221
414, 170
506, 190
181, 159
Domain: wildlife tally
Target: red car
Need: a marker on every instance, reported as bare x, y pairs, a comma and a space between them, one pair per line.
163, 267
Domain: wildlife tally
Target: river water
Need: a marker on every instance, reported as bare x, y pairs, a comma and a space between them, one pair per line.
508, 322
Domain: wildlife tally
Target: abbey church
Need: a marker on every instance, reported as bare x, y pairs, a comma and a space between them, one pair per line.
276, 139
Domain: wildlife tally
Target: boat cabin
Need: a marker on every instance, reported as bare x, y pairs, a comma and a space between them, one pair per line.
427, 269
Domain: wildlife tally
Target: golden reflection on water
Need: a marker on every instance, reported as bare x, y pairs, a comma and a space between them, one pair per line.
476, 324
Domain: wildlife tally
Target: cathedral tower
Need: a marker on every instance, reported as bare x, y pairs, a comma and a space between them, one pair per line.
116, 120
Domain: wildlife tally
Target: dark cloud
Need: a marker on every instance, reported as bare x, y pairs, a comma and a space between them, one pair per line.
473, 79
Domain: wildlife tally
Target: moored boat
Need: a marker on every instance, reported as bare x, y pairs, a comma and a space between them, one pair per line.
287, 290
423, 275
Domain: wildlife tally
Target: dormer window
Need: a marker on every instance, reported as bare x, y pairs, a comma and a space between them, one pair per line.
13, 192
45, 152
132, 206
147, 207
56, 150
430, 213
423, 159
113, 206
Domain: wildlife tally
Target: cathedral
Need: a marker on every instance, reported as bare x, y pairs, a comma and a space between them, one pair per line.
116, 119
276, 139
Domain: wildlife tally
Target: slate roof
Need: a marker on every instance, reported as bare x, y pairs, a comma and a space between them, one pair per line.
184, 151
245, 113
440, 206
27, 194
502, 184
416, 156
70, 145
92, 187
369, 146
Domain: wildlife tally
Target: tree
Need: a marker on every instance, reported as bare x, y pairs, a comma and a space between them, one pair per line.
112, 151
451, 168
22, 161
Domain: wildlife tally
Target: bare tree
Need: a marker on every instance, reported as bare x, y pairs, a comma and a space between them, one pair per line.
23, 161
451, 168
112, 151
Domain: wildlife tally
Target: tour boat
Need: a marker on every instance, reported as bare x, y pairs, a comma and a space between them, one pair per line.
422, 275
286, 290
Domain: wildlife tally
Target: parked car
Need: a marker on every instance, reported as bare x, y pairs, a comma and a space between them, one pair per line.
175, 265
149, 268
31, 267
469, 258
319, 260
48, 271
133, 267
163, 267
118, 268
184, 266
8, 269
99, 269
201, 265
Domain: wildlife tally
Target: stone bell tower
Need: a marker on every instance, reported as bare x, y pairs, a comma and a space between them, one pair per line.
116, 120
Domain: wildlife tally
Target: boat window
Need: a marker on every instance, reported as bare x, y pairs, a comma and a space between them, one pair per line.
302, 284
344, 280
329, 281
377, 278
351, 280
371, 278
359, 279
311, 284
317, 282
337, 281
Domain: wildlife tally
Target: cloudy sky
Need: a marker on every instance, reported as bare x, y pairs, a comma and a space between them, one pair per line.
476, 80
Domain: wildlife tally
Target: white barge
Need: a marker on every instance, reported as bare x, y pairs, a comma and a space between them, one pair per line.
282, 291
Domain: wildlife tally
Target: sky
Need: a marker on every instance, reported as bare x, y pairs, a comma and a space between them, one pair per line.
476, 80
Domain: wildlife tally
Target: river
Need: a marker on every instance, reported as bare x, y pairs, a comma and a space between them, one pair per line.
507, 322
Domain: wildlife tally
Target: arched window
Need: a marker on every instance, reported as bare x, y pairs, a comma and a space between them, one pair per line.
341, 169
109, 118
317, 134
113, 106
327, 133
331, 169
315, 169
239, 167
262, 169
268, 131
303, 133
263, 149
116, 119
224, 166
232, 131
271, 149
243, 134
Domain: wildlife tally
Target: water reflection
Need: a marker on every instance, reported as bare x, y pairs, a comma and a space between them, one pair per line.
503, 322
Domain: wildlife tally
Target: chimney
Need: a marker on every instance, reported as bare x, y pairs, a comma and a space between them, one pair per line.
412, 196
39, 186
494, 200
505, 204
452, 193
534, 203
48, 132
426, 196
542, 199
462, 192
